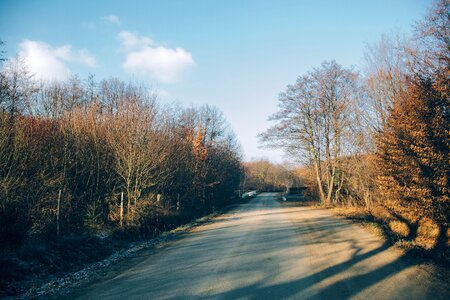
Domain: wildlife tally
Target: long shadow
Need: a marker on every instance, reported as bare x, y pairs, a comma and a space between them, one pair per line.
277, 233
357, 283
343, 289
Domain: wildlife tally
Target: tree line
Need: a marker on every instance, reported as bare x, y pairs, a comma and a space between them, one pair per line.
379, 137
263, 175
80, 156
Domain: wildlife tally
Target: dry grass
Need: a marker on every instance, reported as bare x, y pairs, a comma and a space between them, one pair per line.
399, 228
379, 221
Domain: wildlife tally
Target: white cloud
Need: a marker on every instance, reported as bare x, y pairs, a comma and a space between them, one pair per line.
49, 63
112, 19
84, 57
163, 64
160, 63
81, 56
42, 61
130, 41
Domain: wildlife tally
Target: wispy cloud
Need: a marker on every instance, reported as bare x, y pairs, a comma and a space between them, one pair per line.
130, 41
67, 54
50, 63
163, 64
113, 19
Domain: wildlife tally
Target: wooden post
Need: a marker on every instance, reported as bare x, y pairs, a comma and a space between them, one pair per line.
58, 209
121, 209
158, 198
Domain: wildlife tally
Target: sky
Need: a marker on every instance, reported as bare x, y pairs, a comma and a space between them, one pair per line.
235, 54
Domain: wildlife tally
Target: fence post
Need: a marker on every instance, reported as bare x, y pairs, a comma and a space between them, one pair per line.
58, 209
121, 209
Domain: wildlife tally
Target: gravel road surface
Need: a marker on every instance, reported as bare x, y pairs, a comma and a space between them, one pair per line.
267, 250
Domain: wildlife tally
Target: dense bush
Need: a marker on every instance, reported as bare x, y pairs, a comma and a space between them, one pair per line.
96, 144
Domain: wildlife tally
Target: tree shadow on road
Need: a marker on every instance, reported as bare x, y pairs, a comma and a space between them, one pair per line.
342, 280
251, 263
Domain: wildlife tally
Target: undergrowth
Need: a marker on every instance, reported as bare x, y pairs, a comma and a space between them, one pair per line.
40, 258
395, 233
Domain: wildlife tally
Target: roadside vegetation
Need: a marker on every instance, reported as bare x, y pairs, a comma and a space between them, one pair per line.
87, 166
263, 175
376, 142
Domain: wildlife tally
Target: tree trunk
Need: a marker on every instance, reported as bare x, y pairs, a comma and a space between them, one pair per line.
319, 181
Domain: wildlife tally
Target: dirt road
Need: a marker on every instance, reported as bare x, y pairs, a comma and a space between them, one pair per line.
264, 250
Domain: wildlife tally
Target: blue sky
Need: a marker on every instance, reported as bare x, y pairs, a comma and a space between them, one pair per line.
237, 55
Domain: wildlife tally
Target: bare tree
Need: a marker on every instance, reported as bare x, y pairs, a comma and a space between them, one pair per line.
385, 74
432, 36
138, 146
2, 52
314, 117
